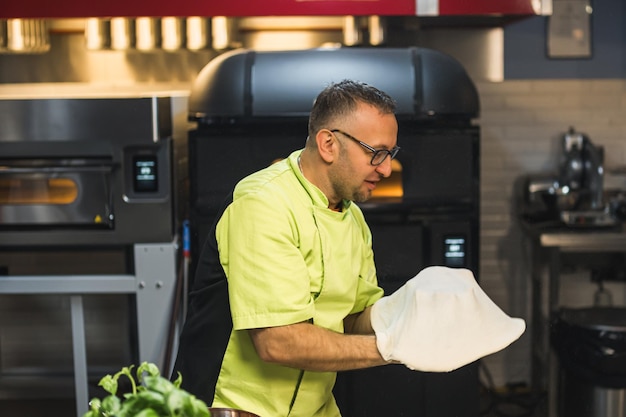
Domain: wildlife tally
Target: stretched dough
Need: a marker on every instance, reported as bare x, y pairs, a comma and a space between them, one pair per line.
441, 320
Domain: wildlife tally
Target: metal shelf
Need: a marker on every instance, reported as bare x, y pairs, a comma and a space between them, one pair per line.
153, 285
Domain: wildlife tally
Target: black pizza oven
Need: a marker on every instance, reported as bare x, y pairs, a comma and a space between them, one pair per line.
252, 108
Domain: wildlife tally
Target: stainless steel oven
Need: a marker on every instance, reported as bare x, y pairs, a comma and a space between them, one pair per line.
78, 171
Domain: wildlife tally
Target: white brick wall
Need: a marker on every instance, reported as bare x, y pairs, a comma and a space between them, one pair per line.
521, 126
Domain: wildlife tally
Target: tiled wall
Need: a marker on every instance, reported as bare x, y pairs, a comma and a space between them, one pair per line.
522, 123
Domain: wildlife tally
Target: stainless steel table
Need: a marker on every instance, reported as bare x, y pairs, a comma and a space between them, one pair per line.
548, 246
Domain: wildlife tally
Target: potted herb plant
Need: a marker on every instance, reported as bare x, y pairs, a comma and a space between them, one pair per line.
151, 396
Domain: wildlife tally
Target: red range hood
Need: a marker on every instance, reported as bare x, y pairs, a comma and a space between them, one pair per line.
243, 8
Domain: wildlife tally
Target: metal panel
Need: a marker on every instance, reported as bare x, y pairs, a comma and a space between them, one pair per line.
427, 7
155, 266
79, 352
286, 83
68, 284
116, 120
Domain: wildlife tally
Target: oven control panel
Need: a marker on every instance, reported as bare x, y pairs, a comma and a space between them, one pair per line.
146, 176
454, 251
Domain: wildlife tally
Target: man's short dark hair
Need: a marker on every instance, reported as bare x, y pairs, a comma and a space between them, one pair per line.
341, 99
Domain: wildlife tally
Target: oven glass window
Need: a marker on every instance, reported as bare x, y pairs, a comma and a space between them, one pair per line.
390, 188
37, 190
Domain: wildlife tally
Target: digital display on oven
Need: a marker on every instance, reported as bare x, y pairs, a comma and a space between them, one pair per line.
145, 177
454, 251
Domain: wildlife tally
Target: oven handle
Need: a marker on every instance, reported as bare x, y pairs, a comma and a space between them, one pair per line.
40, 170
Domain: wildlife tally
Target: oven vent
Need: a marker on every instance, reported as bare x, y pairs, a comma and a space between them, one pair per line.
249, 86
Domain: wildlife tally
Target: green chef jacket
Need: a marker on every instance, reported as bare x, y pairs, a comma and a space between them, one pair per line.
288, 258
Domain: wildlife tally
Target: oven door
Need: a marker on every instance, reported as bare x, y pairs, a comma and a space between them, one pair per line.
52, 193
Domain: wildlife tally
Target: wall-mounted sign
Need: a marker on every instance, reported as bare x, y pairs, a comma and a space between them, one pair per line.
569, 29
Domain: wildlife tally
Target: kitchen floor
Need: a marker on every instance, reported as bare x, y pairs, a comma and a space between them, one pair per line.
513, 403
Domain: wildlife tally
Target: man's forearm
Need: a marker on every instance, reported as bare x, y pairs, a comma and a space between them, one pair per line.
309, 347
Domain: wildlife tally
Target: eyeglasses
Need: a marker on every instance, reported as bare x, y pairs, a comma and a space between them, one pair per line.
378, 155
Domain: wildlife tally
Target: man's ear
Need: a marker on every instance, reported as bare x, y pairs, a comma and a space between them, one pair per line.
327, 145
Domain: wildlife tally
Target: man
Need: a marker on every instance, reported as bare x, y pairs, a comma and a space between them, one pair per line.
283, 290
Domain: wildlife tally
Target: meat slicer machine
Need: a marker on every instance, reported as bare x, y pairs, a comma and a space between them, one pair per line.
575, 196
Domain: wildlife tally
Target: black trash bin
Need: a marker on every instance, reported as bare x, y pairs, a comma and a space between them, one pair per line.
590, 344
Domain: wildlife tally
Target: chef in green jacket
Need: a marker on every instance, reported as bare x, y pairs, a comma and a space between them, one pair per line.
292, 255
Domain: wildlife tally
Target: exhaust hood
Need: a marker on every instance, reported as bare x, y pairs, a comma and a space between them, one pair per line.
247, 85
